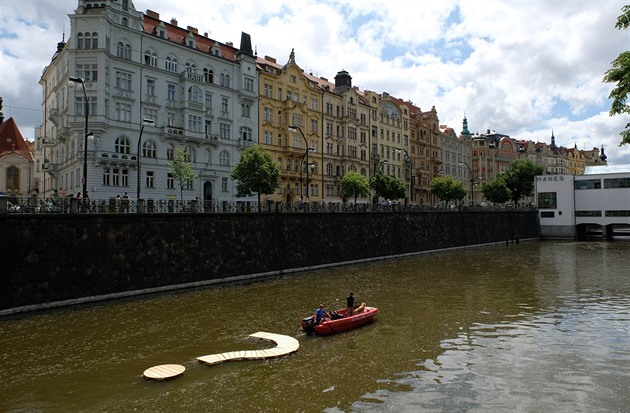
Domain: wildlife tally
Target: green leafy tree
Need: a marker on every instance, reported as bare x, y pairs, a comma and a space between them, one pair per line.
256, 172
182, 171
354, 185
388, 186
620, 74
519, 178
447, 189
496, 191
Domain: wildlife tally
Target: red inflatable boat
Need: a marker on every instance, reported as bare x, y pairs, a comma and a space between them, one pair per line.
339, 322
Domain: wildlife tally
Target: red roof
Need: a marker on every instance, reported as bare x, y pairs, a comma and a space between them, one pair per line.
11, 140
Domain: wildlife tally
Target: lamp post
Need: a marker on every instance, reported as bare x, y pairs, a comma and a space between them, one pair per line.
472, 188
85, 131
410, 163
145, 122
297, 128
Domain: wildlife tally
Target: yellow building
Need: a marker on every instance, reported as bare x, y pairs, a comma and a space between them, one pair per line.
290, 128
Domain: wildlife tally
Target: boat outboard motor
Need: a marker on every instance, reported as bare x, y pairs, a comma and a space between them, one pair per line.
308, 324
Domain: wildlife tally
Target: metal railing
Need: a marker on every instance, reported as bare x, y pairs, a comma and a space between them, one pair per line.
65, 205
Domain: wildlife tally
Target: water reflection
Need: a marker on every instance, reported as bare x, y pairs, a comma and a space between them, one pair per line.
533, 327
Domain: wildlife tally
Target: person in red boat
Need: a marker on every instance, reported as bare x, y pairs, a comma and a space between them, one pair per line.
321, 314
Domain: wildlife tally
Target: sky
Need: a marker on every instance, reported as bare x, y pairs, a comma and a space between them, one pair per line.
523, 68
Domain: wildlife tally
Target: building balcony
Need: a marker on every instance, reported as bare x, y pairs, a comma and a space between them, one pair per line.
172, 131
195, 77
244, 144
115, 159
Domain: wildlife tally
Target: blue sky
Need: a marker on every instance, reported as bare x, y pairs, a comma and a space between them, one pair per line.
520, 67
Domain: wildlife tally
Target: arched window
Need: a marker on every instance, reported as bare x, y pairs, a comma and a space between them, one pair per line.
190, 154
170, 152
120, 49
194, 94
150, 58
296, 166
123, 145
94, 40
13, 178
246, 133
225, 80
208, 75
329, 169
80, 44
149, 150
170, 64
224, 158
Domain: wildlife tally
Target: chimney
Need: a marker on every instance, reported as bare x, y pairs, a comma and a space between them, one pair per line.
271, 59
174, 21
153, 14
192, 29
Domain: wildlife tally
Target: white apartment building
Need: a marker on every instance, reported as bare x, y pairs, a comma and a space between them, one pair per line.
152, 88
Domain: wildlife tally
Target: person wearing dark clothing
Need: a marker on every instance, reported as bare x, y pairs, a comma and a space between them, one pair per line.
350, 304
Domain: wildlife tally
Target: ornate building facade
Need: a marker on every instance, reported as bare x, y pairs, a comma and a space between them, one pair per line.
143, 90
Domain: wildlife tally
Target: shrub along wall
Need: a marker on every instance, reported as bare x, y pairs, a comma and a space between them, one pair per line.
53, 258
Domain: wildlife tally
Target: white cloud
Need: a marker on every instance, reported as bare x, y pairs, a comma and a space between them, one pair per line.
519, 67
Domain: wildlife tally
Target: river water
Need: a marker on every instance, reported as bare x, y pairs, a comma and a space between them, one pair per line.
529, 327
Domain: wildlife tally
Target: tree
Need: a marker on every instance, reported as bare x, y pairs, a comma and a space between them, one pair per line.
354, 185
519, 178
256, 172
496, 191
447, 189
388, 186
181, 169
620, 74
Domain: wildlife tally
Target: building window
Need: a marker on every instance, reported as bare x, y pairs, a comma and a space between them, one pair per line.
149, 150
208, 75
80, 105
225, 105
190, 154
170, 64
249, 84
224, 158
123, 112
268, 90
170, 152
170, 181
548, 200
150, 114
616, 183
245, 111
170, 92
88, 71
13, 178
268, 137
194, 123
194, 94
268, 114
588, 184
225, 80
150, 180
122, 145
151, 87
150, 58
123, 80
588, 214
246, 133
225, 130
116, 177
224, 184
123, 51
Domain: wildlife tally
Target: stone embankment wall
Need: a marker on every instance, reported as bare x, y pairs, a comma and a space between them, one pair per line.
48, 260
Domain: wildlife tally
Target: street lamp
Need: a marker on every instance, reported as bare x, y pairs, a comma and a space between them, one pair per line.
472, 188
408, 162
297, 128
85, 131
145, 122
